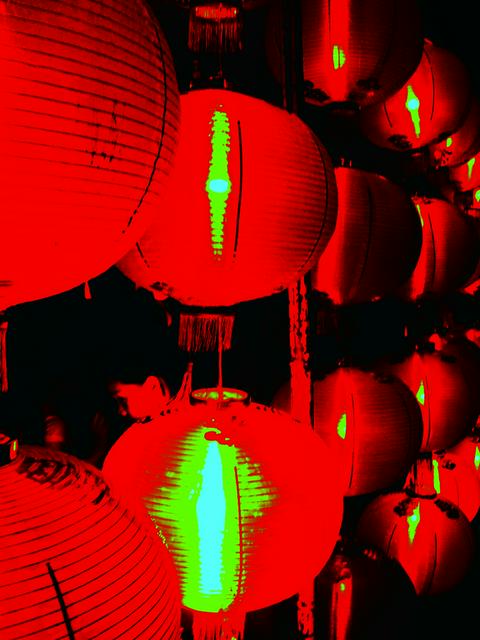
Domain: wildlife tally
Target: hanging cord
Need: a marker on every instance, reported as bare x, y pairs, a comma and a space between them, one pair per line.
3, 354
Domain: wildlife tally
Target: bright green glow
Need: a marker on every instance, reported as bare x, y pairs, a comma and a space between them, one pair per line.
342, 586
413, 522
477, 458
338, 55
470, 165
477, 195
436, 476
420, 214
225, 394
342, 426
448, 142
421, 393
413, 105
212, 489
218, 185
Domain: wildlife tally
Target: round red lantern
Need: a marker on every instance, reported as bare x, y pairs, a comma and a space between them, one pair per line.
466, 176
359, 52
430, 106
457, 482
462, 145
371, 423
468, 450
251, 204
232, 486
88, 122
74, 563
449, 250
443, 390
428, 535
376, 242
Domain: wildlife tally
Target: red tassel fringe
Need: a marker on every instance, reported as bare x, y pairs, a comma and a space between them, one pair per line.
205, 332
214, 28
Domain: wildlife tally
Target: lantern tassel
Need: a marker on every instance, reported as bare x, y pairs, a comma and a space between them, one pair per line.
3, 355
215, 27
217, 626
205, 332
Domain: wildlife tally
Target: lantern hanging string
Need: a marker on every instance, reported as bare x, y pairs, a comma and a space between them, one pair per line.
3, 354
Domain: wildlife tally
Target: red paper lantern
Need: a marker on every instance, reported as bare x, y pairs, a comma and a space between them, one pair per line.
468, 450
250, 206
449, 250
232, 487
359, 52
376, 242
372, 424
74, 563
430, 106
466, 176
457, 482
88, 120
428, 535
462, 145
443, 389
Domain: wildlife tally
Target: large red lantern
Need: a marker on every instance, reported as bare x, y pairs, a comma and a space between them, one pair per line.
250, 206
462, 145
376, 242
358, 51
428, 535
232, 487
372, 424
74, 563
430, 106
449, 250
88, 122
443, 388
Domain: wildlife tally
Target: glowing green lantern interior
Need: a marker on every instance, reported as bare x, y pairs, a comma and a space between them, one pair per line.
413, 105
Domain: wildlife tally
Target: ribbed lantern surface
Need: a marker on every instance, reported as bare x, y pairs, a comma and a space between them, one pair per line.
431, 105
74, 563
376, 242
233, 487
449, 251
372, 424
251, 204
88, 120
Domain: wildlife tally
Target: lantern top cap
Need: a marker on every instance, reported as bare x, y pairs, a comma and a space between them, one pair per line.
8, 449
219, 395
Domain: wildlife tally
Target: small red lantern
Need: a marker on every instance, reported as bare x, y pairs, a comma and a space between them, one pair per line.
232, 487
457, 482
250, 206
466, 176
449, 250
376, 242
443, 390
372, 424
430, 106
468, 450
74, 563
88, 121
462, 145
428, 535
358, 52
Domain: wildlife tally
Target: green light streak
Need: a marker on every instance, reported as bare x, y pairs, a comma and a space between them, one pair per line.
477, 195
436, 476
448, 142
420, 214
218, 185
413, 522
342, 426
413, 105
421, 393
476, 460
470, 165
225, 394
338, 55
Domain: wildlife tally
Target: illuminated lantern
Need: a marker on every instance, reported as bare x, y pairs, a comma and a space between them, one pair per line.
462, 145
358, 51
457, 482
376, 242
443, 390
428, 535
468, 450
74, 563
359, 592
473, 281
88, 124
430, 106
233, 487
371, 423
251, 204
449, 250
466, 176
466, 354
